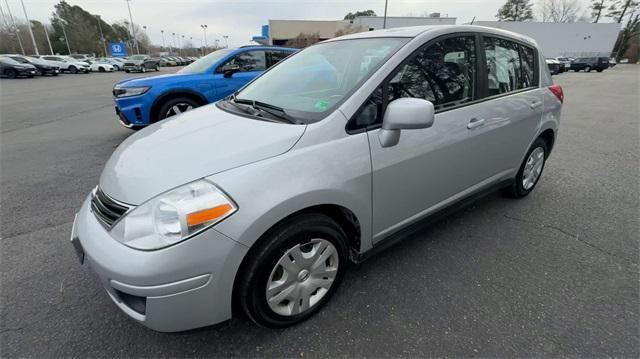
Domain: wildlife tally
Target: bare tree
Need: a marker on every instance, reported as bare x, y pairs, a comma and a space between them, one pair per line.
350, 29
596, 9
303, 40
560, 10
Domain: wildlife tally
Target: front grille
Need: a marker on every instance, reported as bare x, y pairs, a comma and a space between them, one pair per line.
129, 64
106, 209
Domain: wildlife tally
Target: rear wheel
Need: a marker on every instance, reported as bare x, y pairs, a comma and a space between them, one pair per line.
143, 69
127, 71
157, 67
600, 70
176, 106
530, 170
73, 69
294, 271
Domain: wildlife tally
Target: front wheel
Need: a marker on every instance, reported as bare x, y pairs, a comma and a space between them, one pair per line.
176, 106
294, 271
127, 71
157, 68
73, 69
587, 69
143, 69
11, 73
530, 170
101, 69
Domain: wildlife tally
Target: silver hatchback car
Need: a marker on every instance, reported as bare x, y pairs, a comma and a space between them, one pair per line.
260, 201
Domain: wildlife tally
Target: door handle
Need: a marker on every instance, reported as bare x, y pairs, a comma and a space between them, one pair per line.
535, 104
475, 122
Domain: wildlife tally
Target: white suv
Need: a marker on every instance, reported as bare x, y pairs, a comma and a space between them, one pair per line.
68, 64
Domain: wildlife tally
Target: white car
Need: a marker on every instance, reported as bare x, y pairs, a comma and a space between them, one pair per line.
117, 65
67, 64
101, 67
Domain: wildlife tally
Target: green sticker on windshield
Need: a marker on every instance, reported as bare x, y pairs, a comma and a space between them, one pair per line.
322, 105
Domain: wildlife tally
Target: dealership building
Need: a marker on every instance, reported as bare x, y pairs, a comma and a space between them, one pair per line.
581, 39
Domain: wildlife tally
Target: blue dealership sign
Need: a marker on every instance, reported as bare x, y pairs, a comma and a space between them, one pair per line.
118, 49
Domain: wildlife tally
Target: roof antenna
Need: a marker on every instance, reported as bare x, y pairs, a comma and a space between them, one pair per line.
472, 20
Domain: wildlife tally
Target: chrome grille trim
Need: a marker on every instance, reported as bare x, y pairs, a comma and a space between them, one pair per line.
106, 209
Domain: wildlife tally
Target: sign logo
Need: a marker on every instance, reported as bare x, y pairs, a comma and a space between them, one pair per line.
118, 49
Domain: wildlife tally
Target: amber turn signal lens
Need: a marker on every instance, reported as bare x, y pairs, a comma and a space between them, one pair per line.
207, 215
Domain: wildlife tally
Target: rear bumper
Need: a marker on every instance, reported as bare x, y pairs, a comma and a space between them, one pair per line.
186, 286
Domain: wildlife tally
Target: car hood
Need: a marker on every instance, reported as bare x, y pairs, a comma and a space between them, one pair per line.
188, 147
150, 80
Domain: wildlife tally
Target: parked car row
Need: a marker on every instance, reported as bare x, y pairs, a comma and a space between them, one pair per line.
559, 65
176, 60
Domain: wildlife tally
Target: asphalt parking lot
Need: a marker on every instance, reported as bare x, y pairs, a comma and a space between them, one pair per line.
554, 274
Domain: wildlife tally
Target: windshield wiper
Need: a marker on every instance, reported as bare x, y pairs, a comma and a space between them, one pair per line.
272, 110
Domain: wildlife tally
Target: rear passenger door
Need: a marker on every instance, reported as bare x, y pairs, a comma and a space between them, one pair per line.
511, 109
251, 63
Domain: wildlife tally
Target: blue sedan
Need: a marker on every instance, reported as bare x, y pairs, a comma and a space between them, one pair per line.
143, 101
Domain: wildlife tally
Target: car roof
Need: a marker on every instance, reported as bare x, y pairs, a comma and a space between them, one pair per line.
436, 30
264, 47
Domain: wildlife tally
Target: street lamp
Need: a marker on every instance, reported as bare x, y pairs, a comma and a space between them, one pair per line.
15, 28
217, 46
204, 29
162, 32
133, 28
104, 43
226, 43
33, 39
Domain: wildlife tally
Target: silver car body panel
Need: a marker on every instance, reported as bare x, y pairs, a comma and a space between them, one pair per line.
273, 170
199, 143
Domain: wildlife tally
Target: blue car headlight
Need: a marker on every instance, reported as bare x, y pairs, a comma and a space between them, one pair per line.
130, 91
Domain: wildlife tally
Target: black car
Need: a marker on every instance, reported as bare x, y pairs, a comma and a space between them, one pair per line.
590, 63
12, 69
42, 67
142, 63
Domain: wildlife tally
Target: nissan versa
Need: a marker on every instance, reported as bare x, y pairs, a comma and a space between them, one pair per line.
260, 201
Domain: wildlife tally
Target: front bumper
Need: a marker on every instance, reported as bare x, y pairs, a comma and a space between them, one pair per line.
186, 286
134, 110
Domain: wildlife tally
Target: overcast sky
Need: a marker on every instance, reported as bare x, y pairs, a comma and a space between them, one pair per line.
241, 19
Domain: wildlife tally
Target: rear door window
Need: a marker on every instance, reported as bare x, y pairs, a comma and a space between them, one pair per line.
506, 71
277, 56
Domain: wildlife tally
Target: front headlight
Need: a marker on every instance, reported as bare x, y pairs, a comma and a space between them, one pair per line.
173, 216
130, 91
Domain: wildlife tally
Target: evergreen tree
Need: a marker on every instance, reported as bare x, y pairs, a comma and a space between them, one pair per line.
515, 10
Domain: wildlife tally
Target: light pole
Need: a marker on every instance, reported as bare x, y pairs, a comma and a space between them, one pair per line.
33, 39
384, 20
15, 28
144, 28
133, 28
162, 32
64, 32
104, 43
191, 44
46, 34
217, 42
204, 29
226, 43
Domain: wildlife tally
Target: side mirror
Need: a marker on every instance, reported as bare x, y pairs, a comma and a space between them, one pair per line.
228, 70
404, 114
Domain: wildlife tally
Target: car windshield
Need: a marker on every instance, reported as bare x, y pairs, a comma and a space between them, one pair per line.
20, 59
9, 61
205, 62
316, 79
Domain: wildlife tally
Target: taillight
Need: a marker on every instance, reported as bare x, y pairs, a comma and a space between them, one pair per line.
557, 90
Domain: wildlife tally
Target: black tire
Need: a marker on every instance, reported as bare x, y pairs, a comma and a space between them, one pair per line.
100, 69
143, 69
54, 74
516, 189
73, 69
600, 70
162, 112
587, 69
157, 68
127, 71
11, 73
253, 278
